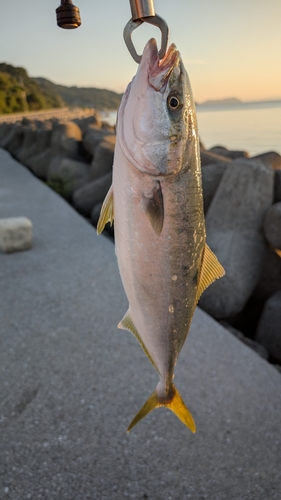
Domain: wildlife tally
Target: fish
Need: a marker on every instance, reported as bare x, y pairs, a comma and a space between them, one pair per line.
156, 203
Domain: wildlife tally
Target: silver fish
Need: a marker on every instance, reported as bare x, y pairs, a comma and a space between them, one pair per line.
157, 206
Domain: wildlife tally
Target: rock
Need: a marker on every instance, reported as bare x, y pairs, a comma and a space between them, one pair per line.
271, 158
29, 144
234, 233
272, 226
65, 140
208, 158
95, 214
14, 140
84, 123
44, 134
5, 129
103, 159
92, 138
270, 278
277, 186
66, 175
259, 349
233, 330
15, 234
221, 150
39, 163
211, 177
201, 145
269, 327
85, 198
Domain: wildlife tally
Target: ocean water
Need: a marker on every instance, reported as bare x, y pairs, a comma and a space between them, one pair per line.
252, 127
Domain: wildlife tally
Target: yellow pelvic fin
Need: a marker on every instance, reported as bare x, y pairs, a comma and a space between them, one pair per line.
277, 251
106, 213
176, 405
211, 270
127, 323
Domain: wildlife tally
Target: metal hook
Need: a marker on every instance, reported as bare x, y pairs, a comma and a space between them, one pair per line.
156, 21
143, 12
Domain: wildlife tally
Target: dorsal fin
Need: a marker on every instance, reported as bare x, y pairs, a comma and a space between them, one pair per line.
127, 323
106, 213
211, 270
154, 208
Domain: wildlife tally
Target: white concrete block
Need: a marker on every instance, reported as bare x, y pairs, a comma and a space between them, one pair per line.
15, 234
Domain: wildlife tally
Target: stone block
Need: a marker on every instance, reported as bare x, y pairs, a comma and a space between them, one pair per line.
85, 198
269, 327
221, 150
277, 186
93, 137
272, 226
270, 278
211, 177
15, 234
234, 233
65, 139
103, 159
66, 175
270, 158
207, 158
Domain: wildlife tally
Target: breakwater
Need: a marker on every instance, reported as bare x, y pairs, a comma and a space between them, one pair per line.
73, 153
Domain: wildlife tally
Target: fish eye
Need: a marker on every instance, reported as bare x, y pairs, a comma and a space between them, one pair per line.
173, 102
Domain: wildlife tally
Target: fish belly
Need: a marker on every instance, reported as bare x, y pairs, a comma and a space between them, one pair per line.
160, 272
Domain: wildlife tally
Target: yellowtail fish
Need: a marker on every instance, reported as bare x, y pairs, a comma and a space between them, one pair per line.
157, 206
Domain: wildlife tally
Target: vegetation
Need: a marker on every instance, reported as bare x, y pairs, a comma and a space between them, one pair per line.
19, 92
99, 99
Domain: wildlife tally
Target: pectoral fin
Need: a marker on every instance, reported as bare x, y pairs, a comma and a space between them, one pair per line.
127, 324
154, 208
277, 251
211, 270
106, 213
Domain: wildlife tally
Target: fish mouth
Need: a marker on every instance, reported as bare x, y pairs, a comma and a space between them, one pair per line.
159, 71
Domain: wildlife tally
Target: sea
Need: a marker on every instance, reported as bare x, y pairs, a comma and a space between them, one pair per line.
254, 127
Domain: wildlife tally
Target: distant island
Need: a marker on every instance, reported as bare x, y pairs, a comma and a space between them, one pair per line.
19, 93
220, 102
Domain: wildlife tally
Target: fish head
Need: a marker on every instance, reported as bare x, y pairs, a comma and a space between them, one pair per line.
157, 127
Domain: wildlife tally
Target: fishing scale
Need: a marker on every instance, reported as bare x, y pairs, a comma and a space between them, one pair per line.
68, 17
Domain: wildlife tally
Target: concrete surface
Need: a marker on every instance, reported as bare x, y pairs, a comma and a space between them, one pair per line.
71, 381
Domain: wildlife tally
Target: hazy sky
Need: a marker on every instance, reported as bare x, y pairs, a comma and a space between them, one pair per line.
231, 48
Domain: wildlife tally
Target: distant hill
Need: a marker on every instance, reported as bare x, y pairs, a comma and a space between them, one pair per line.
19, 92
218, 102
83, 96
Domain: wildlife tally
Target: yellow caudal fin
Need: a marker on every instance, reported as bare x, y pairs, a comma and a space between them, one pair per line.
106, 213
211, 270
176, 405
127, 323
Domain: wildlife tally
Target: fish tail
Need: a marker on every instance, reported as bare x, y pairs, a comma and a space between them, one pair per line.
176, 404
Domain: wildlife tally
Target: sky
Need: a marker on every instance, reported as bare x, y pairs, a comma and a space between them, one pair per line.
230, 48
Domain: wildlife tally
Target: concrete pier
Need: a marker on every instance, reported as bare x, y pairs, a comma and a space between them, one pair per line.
71, 382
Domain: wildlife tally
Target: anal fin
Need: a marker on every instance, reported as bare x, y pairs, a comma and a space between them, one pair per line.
106, 213
127, 323
211, 270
